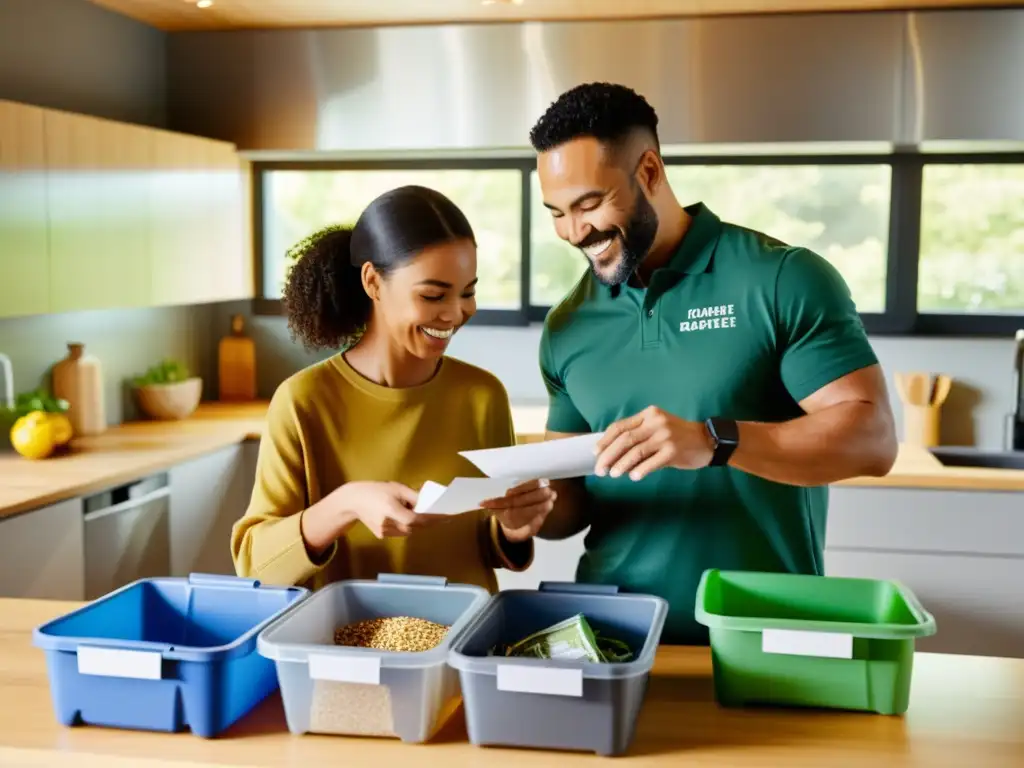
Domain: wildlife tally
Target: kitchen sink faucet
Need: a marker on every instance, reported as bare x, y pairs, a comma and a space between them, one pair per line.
5, 365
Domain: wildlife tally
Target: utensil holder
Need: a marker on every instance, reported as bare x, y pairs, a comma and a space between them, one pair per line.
921, 424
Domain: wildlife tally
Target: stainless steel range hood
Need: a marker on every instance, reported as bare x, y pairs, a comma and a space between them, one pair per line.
894, 78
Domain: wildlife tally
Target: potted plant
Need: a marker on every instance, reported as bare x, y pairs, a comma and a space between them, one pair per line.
168, 391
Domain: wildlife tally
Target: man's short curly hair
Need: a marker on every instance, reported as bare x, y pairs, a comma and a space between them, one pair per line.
605, 111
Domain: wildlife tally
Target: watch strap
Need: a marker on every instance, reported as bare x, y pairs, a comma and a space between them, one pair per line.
725, 437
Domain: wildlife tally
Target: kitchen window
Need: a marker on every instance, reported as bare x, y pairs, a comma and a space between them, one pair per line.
929, 244
839, 211
298, 202
972, 239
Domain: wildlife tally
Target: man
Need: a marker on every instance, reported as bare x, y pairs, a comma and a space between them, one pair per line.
730, 372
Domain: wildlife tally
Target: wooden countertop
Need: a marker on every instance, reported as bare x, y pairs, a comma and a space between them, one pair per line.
964, 711
135, 449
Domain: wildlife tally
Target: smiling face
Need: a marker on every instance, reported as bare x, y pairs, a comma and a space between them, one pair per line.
422, 303
598, 206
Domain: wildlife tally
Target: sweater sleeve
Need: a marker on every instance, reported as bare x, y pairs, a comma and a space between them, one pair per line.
266, 542
513, 556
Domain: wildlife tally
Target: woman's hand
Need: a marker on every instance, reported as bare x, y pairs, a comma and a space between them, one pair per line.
385, 508
522, 510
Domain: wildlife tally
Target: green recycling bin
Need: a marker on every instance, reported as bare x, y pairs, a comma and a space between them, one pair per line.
811, 641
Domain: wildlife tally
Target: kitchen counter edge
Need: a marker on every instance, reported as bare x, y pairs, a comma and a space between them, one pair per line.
133, 449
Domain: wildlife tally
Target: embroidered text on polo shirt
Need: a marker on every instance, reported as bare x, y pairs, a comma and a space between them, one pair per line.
706, 318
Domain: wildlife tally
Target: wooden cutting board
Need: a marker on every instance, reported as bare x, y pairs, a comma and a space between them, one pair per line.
236, 365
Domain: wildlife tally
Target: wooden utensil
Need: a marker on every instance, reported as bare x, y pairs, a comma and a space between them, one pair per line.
921, 409
940, 389
914, 388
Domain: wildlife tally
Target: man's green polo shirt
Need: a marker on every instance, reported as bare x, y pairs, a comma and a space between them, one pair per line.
737, 325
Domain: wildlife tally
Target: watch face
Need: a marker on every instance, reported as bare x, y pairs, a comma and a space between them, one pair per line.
726, 430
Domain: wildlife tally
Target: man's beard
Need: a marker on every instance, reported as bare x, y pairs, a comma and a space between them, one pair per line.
635, 242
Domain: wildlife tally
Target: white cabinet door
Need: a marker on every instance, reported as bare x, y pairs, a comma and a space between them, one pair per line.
976, 601
208, 495
42, 553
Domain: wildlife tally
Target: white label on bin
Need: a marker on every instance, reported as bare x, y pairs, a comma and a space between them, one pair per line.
345, 669
519, 678
111, 662
832, 645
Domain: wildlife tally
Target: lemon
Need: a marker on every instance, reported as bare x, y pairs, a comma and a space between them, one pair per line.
61, 426
33, 436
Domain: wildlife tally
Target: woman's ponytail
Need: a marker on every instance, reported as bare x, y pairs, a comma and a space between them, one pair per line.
323, 297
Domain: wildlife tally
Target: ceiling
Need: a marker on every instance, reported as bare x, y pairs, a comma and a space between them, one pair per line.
180, 15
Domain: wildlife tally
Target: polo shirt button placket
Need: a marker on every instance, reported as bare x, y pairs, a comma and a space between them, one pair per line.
651, 334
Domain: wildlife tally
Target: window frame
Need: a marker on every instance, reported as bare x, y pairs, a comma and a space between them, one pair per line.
900, 318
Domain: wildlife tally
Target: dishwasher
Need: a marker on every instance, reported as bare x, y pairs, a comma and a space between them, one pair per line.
127, 534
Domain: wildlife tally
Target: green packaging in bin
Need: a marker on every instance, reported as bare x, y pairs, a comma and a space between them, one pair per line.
811, 641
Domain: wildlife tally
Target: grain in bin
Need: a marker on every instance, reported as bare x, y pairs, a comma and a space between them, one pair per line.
369, 657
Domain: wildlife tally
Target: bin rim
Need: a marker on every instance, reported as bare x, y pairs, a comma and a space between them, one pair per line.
289, 652
242, 645
488, 665
925, 623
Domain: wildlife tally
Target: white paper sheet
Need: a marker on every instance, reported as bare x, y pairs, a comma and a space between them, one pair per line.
551, 459
506, 468
465, 494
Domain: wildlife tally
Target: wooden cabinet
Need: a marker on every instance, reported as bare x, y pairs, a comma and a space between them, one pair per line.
198, 214
24, 254
208, 495
97, 214
42, 553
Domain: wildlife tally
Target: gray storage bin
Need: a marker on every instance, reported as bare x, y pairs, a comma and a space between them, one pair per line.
342, 690
571, 705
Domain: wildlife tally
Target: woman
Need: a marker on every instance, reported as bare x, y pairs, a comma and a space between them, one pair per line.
349, 438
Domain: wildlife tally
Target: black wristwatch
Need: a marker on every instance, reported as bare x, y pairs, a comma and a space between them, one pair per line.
725, 436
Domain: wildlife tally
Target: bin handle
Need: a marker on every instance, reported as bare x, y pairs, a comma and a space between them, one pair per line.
571, 587
218, 580
412, 579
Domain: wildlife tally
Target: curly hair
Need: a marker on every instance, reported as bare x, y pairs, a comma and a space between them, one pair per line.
605, 111
324, 298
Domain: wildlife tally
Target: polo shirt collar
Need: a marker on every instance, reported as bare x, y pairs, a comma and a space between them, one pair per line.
694, 253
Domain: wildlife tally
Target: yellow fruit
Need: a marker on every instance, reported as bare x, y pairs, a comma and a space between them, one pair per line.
61, 426
32, 436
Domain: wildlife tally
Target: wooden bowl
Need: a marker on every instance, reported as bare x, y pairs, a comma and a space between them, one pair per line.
169, 402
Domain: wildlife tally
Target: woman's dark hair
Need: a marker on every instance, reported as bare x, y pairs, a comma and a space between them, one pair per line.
323, 297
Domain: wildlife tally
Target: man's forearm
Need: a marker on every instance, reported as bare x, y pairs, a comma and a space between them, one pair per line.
845, 440
569, 515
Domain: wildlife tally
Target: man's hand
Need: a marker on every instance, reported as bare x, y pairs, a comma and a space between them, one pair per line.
847, 431
650, 440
